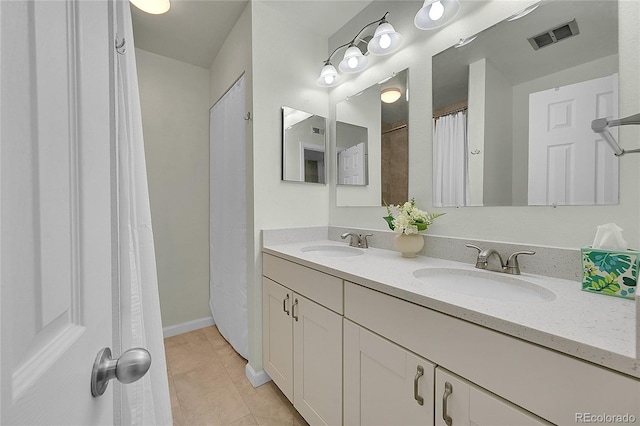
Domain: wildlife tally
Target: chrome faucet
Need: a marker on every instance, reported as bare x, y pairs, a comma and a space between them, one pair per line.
357, 240
511, 267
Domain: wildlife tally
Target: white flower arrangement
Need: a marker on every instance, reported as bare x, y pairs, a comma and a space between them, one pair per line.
409, 219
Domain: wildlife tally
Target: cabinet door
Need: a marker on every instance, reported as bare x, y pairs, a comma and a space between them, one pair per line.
317, 362
384, 382
467, 404
277, 335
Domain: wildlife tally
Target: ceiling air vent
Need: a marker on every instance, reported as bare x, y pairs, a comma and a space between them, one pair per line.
554, 35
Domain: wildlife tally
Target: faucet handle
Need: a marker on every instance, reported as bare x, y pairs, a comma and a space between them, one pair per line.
512, 266
363, 240
475, 247
355, 238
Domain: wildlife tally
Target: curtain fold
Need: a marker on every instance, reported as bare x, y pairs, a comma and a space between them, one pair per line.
228, 218
147, 401
450, 161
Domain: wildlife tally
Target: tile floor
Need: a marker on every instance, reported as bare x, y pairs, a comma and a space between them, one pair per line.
208, 385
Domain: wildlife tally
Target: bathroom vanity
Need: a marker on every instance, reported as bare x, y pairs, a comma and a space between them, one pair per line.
354, 336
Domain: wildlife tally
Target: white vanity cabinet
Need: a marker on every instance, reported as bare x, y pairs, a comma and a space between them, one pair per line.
302, 339
461, 403
384, 384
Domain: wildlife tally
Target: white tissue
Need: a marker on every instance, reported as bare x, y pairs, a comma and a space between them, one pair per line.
609, 237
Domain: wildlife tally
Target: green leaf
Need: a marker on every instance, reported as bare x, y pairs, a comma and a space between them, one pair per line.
421, 226
610, 262
389, 220
629, 282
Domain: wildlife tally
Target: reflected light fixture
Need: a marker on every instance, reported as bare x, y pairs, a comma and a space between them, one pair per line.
524, 13
465, 41
154, 7
390, 95
384, 42
436, 13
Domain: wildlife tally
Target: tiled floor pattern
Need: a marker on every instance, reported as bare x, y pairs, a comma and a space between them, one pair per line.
208, 385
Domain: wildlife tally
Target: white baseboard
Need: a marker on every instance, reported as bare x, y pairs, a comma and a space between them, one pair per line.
185, 327
256, 378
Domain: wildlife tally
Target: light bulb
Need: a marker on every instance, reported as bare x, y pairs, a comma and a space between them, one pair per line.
436, 11
328, 79
352, 62
385, 41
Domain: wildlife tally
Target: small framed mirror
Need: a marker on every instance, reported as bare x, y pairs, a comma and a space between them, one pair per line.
304, 146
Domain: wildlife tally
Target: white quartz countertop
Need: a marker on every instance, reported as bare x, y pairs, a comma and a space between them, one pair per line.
592, 327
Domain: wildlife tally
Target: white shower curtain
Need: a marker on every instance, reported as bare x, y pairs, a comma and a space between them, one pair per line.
450, 162
147, 401
228, 224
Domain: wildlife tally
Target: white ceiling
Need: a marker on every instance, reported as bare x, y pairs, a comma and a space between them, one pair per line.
193, 31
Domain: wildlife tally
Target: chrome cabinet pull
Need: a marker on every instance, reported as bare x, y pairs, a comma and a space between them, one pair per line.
284, 304
448, 390
293, 312
419, 374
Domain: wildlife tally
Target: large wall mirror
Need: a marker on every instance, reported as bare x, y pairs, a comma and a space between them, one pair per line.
524, 93
303, 146
372, 144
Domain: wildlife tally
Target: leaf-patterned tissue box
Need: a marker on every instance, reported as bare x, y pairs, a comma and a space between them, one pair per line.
614, 273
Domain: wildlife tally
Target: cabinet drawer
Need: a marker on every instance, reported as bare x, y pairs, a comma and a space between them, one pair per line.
320, 287
554, 386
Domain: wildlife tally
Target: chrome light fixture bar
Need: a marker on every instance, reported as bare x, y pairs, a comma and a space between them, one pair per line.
384, 42
601, 125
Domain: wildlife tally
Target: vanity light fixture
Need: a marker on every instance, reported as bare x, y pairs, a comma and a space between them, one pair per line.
354, 61
385, 41
524, 13
328, 76
390, 95
436, 13
601, 125
154, 7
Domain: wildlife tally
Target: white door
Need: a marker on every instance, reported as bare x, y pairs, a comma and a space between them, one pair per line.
569, 164
352, 165
55, 217
384, 384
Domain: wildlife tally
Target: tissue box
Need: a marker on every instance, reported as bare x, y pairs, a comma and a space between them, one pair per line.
614, 273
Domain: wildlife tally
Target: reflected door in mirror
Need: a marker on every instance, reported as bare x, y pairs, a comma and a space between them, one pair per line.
574, 165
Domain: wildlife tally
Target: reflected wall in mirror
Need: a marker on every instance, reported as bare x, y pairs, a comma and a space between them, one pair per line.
372, 141
513, 109
303, 146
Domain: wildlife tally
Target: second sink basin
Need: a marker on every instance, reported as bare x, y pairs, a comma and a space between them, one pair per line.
333, 251
484, 284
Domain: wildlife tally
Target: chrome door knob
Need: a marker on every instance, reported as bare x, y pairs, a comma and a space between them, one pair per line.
131, 366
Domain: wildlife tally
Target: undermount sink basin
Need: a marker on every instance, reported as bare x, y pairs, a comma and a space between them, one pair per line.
484, 284
333, 251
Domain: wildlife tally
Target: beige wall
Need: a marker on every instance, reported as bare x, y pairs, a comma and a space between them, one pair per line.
565, 226
174, 98
286, 59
